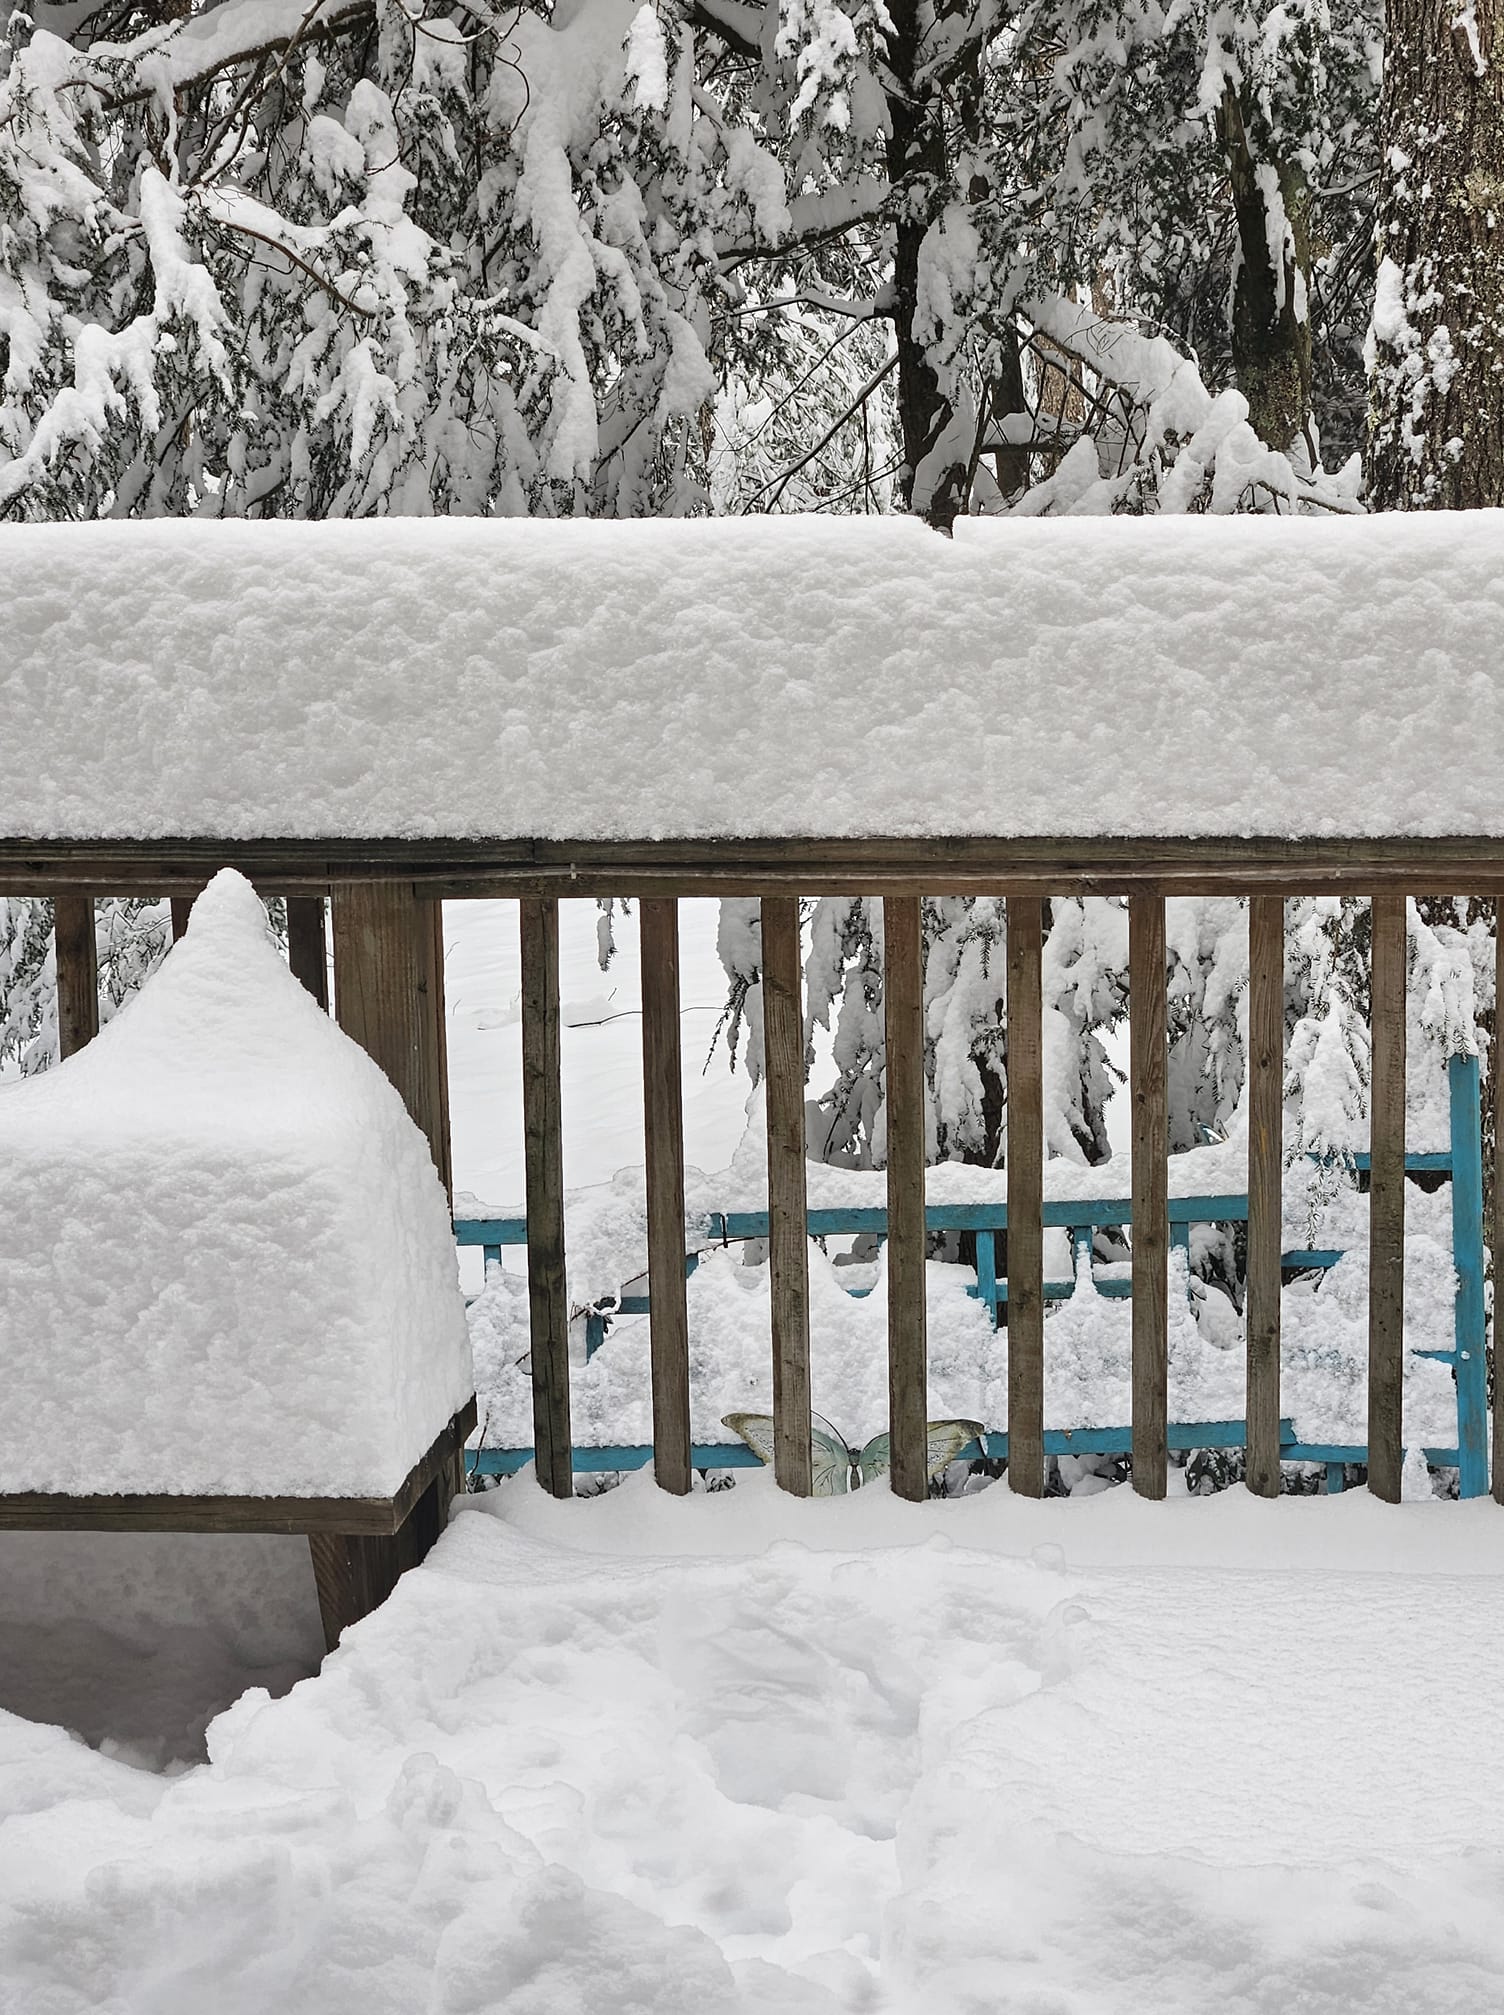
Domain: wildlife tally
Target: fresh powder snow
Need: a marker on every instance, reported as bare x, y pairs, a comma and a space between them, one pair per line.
226, 1263
774, 677
853, 1757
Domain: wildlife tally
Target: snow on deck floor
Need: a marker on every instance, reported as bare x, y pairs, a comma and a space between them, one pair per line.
1078, 1758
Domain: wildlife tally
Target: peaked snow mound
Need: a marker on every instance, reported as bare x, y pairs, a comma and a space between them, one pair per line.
788, 676
226, 1263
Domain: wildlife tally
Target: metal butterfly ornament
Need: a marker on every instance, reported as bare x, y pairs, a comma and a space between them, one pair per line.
835, 1466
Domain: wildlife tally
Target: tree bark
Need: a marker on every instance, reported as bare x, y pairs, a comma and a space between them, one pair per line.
1011, 465
1271, 329
1436, 437
936, 468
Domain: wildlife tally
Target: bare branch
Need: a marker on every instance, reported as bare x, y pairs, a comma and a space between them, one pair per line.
783, 480
293, 259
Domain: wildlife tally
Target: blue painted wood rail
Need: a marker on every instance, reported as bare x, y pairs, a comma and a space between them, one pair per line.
1461, 1162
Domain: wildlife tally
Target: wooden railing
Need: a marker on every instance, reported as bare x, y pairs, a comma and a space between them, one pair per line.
388, 989
784, 1062
1080, 1217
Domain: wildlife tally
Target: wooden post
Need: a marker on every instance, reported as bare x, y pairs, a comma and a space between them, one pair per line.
1386, 1201
908, 1357
1496, 1226
663, 1139
354, 1573
1148, 1075
435, 1051
542, 1123
1266, 1092
307, 946
1469, 1325
382, 996
1025, 1198
182, 909
788, 1254
76, 955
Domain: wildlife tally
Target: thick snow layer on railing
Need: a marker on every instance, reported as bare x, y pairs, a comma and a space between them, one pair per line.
754, 678
225, 1261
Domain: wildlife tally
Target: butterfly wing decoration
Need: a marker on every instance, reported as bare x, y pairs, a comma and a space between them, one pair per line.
756, 1429
830, 1458
831, 1461
875, 1458
944, 1440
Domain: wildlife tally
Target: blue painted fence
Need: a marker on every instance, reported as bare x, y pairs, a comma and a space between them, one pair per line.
1461, 1162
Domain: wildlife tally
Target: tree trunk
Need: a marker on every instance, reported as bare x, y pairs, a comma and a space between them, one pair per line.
1436, 437
936, 462
1271, 330
1012, 466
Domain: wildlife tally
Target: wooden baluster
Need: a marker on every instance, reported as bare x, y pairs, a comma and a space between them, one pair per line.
307, 945
542, 1122
1386, 1201
1469, 1323
76, 954
663, 1138
788, 1252
908, 1357
1266, 1072
1496, 1227
382, 998
1148, 1078
1025, 1198
434, 1057
182, 909
385, 999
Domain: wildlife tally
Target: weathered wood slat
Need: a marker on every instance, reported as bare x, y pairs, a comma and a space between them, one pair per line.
389, 996
1496, 1226
77, 955
354, 1573
434, 1052
663, 1138
1386, 1201
1025, 1124
1266, 1067
308, 945
170, 1511
378, 994
542, 1122
457, 869
1148, 1083
182, 909
788, 1253
904, 1108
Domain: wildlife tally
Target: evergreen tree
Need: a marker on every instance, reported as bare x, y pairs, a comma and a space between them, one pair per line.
1437, 343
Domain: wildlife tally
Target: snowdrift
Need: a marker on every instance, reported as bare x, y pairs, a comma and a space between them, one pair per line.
226, 1264
755, 678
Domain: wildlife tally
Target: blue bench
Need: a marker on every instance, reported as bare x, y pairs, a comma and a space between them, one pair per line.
1460, 1163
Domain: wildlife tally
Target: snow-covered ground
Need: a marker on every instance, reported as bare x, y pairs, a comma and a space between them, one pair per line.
637, 1754
1078, 1758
